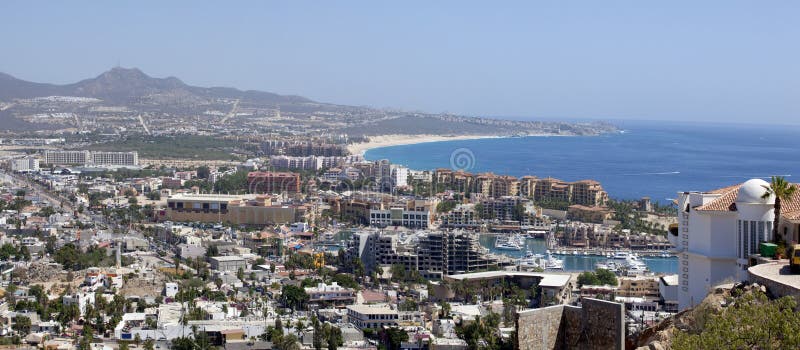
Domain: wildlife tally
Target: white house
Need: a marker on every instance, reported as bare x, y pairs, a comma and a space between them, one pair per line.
717, 232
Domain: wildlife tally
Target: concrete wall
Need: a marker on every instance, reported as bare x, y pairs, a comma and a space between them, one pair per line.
598, 324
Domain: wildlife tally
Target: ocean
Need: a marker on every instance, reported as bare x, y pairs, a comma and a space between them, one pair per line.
655, 159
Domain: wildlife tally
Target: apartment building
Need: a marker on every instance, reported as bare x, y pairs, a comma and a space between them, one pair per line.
411, 214
230, 263
462, 216
583, 192
115, 158
433, 254
94, 158
372, 316
237, 210
67, 157
640, 287
588, 192
25, 164
330, 293
273, 182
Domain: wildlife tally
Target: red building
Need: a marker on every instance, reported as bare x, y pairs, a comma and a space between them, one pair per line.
273, 182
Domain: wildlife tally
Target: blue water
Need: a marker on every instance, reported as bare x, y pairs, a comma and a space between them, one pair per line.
578, 262
656, 159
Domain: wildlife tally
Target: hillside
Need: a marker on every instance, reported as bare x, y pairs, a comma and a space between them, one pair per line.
739, 317
125, 101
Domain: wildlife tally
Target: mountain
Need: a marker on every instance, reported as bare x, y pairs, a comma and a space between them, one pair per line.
123, 85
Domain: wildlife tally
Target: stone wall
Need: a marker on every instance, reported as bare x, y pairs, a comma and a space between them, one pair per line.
539, 328
598, 324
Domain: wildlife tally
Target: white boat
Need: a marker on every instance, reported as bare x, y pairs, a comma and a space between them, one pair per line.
621, 255
507, 246
530, 260
553, 263
636, 270
505, 243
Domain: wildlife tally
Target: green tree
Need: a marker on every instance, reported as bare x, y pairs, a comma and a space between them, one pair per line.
606, 277
22, 324
203, 172
293, 296
783, 191
588, 278
395, 337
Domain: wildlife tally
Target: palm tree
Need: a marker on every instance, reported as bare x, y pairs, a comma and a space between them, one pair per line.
782, 190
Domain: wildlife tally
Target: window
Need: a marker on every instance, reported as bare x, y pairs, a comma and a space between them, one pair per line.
745, 240
739, 239
753, 237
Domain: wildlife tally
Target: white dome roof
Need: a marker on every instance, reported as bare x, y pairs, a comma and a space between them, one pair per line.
751, 192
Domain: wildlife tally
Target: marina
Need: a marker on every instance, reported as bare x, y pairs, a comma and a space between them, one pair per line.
582, 260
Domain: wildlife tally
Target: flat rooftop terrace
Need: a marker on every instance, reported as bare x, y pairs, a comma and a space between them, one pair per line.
777, 276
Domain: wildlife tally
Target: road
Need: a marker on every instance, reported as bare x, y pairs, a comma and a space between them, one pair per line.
144, 126
232, 113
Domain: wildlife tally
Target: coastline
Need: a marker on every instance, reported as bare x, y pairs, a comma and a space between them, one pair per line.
400, 140
403, 139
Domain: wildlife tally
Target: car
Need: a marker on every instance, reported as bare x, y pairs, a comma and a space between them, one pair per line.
794, 258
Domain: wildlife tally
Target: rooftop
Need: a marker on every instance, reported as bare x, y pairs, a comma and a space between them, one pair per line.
227, 258
372, 309
547, 279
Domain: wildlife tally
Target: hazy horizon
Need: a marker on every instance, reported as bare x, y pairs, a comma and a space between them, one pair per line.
719, 61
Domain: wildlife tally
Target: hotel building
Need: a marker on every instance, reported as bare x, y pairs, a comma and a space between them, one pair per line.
237, 210
24, 164
91, 158
273, 182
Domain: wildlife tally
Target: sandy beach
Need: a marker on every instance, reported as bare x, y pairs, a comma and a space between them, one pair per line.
397, 140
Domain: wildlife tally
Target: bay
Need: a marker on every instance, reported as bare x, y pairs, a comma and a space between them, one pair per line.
655, 159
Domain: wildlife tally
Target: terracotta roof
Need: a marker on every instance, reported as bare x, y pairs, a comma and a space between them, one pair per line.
725, 202
791, 209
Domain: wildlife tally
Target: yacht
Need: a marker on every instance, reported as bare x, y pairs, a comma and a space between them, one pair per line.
636, 270
621, 255
607, 265
530, 260
553, 263
506, 244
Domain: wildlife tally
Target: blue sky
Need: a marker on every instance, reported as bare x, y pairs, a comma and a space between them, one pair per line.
721, 61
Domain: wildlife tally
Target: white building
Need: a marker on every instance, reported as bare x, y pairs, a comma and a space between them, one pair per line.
91, 158
67, 157
371, 316
717, 232
231, 263
81, 299
400, 217
25, 164
115, 158
330, 293
399, 176
170, 289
